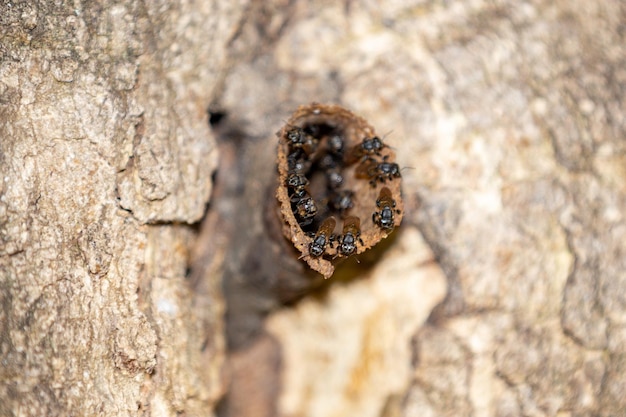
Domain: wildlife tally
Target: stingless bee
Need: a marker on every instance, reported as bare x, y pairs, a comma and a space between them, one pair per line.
323, 237
341, 200
377, 171
384, 218
305, 210
366, 149
298, 138
351, 234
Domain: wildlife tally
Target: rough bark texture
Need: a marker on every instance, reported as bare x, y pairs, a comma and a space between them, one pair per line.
105, 156
511, 117
501, 295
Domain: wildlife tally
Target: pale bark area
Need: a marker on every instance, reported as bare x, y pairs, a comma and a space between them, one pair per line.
501, 295
511, 118
105, 155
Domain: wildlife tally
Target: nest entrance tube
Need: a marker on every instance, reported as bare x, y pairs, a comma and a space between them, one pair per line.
339, 188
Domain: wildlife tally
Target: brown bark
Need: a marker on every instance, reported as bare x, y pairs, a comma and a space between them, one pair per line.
511, 118
502, 294
106, 158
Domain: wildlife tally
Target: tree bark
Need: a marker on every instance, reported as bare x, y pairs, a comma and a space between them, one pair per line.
502, 294
106, 160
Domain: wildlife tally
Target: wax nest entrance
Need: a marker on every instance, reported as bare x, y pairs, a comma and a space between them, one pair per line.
339, 185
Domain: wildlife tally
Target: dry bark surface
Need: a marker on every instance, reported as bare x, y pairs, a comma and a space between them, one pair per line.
501, 295
105, 160
511, 118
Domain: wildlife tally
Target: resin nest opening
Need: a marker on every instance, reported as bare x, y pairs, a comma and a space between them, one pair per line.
338, 185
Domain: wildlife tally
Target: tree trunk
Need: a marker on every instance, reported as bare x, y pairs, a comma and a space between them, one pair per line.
509, 119
502, 294
106, 160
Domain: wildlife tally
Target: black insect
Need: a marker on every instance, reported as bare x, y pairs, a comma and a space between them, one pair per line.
385, 171
372, 146
351, 234
384, 217
377, 171
297, 162
297, 181
366, 149
341, 200
305, 210
298, 138
334, 178
323, 237
335, 145
298, 195
330, 165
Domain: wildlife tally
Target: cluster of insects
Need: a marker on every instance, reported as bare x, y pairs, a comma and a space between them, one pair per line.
303, 156
373, 169
340, 181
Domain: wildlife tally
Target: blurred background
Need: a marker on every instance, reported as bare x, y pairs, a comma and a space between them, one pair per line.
503, 294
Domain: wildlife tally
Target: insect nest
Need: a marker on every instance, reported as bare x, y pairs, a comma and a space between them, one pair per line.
338, 185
